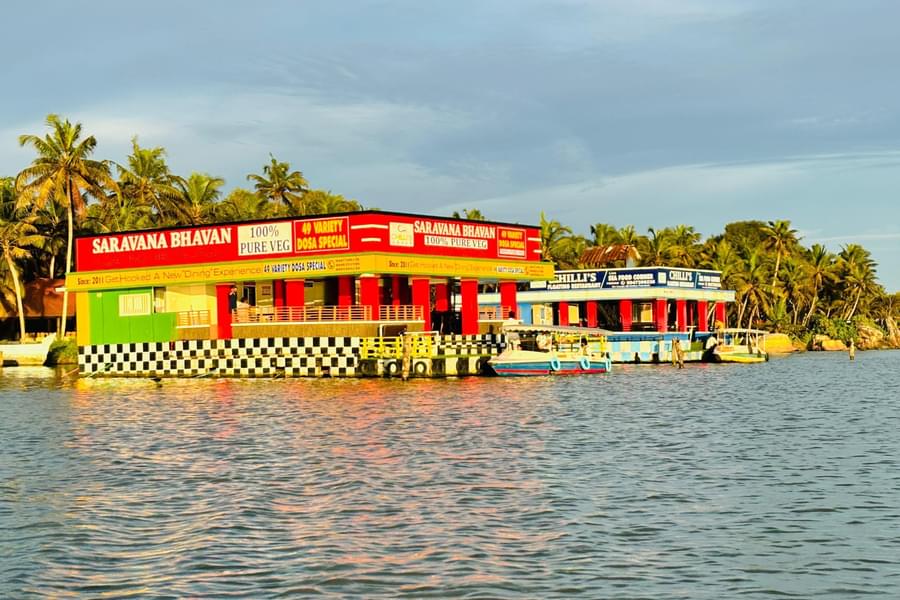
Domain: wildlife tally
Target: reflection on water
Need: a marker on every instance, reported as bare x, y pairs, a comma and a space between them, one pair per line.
651, 482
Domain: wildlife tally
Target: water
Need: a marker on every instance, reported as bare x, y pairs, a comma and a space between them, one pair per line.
715, 481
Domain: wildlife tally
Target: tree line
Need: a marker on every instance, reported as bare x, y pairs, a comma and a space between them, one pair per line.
779, 283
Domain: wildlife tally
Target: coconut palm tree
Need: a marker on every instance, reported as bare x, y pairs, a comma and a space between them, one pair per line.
197, 197
685, 246
243, 205
553, 239
321, 202
472, 214
656, 248
780, 238
279, 184
64, 170
146, 181
604, 234
857, 274
751, 296
720, 255
17, 234
120, 213
819, 270
628, 236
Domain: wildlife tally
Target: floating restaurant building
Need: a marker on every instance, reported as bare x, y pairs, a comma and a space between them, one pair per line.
645, 308
311, 296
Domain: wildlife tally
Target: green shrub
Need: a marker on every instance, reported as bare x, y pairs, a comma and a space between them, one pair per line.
63, 352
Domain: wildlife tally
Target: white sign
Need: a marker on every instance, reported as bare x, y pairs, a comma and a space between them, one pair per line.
402, 234
265, 238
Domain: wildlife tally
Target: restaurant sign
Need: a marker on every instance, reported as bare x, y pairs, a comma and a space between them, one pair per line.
295, 238
632, 278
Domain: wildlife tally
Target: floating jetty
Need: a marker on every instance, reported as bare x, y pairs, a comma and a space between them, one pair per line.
363, 294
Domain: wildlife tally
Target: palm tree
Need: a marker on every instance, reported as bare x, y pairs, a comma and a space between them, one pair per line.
120, 213
197, 197
780, 238
279, 184
657, 247
628, 236
17, 233
146, 181
721, 256
753, 299
472, 214
321, 202
820, 270
553, 236
604, 234
63, 170
243, 205
684, 246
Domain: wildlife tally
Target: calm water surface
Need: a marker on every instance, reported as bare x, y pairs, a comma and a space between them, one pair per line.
746, 481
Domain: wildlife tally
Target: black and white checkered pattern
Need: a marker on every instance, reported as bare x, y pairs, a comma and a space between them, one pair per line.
275, 357
239, 357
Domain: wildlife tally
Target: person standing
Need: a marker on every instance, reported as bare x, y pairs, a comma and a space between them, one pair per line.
852, 350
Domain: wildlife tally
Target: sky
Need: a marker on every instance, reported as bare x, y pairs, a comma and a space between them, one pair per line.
650, 113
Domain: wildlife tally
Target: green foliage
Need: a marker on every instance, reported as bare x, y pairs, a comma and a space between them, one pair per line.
63, 352
836, 329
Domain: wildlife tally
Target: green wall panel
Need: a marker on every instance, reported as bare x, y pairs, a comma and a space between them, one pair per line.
108, 327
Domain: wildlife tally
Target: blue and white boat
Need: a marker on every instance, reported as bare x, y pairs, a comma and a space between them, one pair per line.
549, 350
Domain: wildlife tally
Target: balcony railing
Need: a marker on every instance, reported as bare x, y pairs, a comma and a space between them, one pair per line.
192, 318
401, 312
493, 313
305, 314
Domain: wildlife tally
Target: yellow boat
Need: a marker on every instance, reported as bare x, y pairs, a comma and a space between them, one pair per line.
737, 345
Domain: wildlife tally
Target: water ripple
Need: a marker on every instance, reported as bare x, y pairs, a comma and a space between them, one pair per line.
769, 481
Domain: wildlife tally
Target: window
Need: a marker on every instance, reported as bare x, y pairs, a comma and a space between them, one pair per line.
133, 305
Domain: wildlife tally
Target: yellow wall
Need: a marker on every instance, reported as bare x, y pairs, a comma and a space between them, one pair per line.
83, 310
192, 297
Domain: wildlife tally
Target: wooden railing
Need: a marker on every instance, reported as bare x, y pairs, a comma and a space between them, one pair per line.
192, 318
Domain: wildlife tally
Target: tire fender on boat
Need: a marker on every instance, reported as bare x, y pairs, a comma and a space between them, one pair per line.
584, 362
392, 368
555, 364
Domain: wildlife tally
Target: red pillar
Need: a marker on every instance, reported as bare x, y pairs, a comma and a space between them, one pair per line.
395, 290
223, 311
625, 313
421, 296
441, 297
368, 294
295, 292
345, 290
661, 314
468, 289
563, 308
720, 313
278, 292
681, 315
702, 321
508, 298
591, 310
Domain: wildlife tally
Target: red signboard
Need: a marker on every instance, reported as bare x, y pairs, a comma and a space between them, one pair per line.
339, 234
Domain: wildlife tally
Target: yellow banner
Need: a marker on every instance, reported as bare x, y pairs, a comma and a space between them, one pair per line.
311, 268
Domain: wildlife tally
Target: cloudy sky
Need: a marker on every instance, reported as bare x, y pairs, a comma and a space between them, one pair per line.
644, 112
